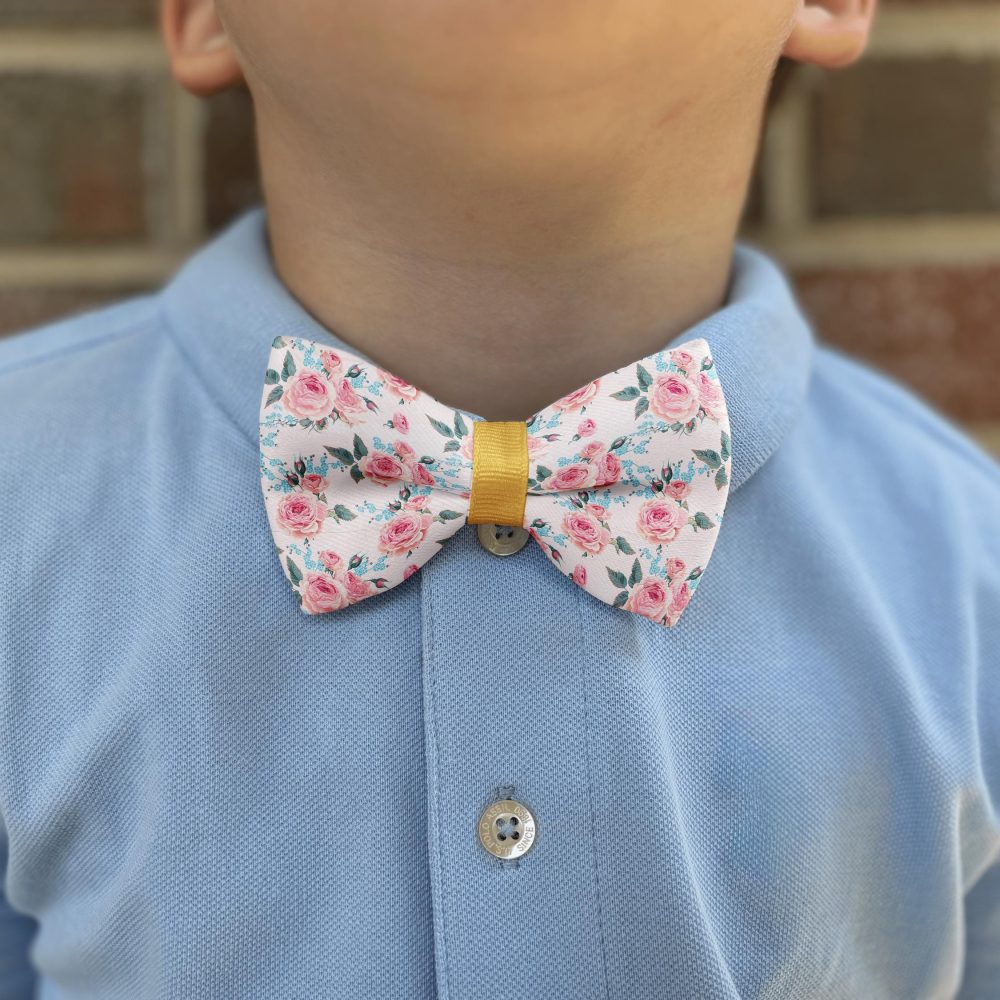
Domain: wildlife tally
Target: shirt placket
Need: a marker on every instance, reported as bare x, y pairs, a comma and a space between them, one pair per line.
506, 718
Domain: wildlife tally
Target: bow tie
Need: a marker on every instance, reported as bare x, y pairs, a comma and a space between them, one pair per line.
622, 482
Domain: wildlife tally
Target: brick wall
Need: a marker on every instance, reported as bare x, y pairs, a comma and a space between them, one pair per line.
878, 186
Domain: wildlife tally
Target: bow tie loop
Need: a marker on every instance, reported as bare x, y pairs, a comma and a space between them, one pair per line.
499, 472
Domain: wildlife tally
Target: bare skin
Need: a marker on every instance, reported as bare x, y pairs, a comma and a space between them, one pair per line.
499, 200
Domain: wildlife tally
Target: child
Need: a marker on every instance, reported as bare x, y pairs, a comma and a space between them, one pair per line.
471, 578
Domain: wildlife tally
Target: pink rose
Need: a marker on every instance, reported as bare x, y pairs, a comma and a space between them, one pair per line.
710, 394
348, 403
330, 560
313, 482
597, 510
578, 397
416, 503
682, 359
404, 532
649, 598
677, 489
400, 423
680, 594
322, 592
420, 475
398, 386
301, 514
571, 477
331, 362
381, 468
674, 398
536, 446
580, 575
307, 395
404, 450
675, 568
591, 448
357, 589
609, 469
466, 450
661, 520
586, 427
585, 530
410, 570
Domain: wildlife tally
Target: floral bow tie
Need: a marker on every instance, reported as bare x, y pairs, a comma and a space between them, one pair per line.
622, 482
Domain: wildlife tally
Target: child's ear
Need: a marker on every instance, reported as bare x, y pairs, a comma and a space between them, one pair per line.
830, 33
201, 57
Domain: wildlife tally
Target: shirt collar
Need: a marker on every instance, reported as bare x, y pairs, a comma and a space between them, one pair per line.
227, 304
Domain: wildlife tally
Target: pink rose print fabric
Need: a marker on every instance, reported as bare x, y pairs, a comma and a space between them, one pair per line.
365, 477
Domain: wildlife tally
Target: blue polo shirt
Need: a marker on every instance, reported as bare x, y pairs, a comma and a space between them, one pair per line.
205, 793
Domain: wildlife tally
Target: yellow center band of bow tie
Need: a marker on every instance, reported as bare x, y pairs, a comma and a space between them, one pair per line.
499, 472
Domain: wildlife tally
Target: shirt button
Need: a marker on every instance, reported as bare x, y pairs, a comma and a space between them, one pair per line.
501, 539
507, 828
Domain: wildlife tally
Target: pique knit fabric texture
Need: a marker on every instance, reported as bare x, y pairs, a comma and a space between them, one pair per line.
792, 794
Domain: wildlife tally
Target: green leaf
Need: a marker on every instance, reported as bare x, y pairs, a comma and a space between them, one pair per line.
636, 575
274, 395
618, 579
724, 451
288, 368
703, 520
641, 405
449, 515
721, 479
452, 445
341, 454
356, 474
440, 427
709, 457
278, 342
427, 459
271, 377
294, 573
359, 447
645, 379
629, 392
623, 546
460, 429
543, 472
343, 514
620, 598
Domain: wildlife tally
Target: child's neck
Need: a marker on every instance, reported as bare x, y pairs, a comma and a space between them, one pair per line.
499, 299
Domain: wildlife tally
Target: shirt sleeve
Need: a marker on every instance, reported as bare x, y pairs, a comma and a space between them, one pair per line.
17, 975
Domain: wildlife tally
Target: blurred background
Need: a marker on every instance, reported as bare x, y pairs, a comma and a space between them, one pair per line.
877, 186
